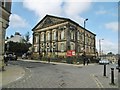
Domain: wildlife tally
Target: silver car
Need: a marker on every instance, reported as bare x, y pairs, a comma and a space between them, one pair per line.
104, 61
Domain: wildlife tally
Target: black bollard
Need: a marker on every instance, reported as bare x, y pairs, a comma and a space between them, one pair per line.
118, 69
112, 76
104, 70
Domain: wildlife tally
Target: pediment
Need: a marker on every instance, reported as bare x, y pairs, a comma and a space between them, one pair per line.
49, 21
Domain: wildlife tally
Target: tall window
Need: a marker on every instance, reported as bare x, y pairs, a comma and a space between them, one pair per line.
72, 34
62, 47
36, 49
62, 34
54, 35
36, 39
72, 46
3, 3
48, 35
42, 36
82, 36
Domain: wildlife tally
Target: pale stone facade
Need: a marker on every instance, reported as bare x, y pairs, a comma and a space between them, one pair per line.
55, 36
5, 8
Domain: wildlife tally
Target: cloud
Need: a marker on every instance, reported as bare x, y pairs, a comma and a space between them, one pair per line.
43, 7
69, 9
112, 26
75, 7
101, 12
17, 22
108, 46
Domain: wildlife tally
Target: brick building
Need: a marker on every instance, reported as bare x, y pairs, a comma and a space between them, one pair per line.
56, 35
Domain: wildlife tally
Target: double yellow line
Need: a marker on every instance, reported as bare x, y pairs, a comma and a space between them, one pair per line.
99, 84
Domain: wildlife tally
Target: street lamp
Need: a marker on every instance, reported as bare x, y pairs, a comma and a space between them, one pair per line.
84, 32
85, 22
100, 47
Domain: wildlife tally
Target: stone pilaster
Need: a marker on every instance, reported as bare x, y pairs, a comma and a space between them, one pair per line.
2, 40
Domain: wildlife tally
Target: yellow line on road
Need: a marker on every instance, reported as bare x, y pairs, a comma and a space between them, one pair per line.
99, 84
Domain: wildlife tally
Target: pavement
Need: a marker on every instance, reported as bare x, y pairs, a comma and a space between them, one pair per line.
15, 72
11, 74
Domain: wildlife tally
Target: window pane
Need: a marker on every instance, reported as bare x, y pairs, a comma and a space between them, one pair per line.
62, 47
42, 37
62, 34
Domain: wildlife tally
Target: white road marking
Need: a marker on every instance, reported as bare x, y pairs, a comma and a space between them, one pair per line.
99, 84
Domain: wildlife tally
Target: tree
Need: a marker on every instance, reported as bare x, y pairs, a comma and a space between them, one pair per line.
18, 48
110, 53
27, 37
11, 36
7, 37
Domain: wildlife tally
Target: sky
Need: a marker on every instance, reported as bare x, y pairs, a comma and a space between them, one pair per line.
102, 17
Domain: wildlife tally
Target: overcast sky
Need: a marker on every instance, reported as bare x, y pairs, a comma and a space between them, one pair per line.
102, 17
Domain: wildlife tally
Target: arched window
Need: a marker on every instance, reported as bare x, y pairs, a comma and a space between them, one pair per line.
54, 35
48, 35
42, 36
36, 39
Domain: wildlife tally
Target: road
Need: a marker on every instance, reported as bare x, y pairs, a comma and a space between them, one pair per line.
47, 75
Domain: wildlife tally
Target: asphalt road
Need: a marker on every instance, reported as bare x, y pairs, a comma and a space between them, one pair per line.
47, 75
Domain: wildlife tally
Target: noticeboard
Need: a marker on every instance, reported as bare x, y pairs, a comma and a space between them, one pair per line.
71, 53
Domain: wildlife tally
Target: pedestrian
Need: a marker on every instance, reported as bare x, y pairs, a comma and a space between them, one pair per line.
6, 59
88, 61
83, 57
49, 59
119, 65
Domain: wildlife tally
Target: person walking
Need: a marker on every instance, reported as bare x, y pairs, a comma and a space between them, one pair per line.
49, 59
84, 59
119, 65
6, 59
88, 61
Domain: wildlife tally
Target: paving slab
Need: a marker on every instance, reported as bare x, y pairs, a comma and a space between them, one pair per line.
11, 74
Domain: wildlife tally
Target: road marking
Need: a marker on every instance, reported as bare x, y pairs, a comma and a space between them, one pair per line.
19, 77
99, 84
29, 75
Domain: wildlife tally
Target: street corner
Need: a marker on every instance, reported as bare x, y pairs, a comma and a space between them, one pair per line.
11, 74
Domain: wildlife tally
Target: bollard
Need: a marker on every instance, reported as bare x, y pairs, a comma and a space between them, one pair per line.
104, 70
118, 69
112, 76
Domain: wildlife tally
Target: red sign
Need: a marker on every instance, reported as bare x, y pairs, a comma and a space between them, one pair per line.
71, 53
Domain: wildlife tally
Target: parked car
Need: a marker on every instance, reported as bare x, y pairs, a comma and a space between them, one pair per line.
104, 61
117, 67
11, 56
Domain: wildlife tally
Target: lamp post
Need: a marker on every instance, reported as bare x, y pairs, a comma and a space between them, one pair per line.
84, 32
100, 47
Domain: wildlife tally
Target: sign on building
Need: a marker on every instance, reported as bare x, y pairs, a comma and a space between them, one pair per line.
71, 53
